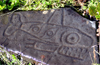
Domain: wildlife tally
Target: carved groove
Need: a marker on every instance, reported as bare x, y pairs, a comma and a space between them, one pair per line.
45, 47
57, 35
76, 52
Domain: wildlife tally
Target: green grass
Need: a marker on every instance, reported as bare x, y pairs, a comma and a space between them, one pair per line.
11, 59
32, 4
92, 6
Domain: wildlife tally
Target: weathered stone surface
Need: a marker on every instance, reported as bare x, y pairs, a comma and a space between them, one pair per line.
62, 36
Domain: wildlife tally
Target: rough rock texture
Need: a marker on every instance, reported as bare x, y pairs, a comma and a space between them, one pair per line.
61, 35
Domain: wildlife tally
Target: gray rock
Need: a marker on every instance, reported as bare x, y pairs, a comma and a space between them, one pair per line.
61, 35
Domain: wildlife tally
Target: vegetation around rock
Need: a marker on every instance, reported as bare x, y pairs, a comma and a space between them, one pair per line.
86, 8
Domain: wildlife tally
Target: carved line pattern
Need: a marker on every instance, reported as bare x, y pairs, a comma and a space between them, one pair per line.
50, 17
62, 17
77, 29
72, 27
76, 52
45, 47
50, 33
34, 28
5, 43
13, 25
65, 37
82, 33
86, 34
63, 49
29, 45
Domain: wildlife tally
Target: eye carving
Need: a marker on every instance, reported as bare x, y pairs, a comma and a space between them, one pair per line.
71, 38
35, 28
50, 33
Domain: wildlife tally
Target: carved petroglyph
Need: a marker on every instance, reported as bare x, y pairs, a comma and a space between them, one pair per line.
13, 25
56, 20
29, 45
10, 30
55, 34
77, 52
43, 18
46, 47
50, 32
72, 38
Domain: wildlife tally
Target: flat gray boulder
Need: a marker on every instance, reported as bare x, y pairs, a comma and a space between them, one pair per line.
61, 35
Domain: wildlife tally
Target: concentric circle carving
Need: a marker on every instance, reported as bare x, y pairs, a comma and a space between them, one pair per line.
71, 38
35, 28
49, 33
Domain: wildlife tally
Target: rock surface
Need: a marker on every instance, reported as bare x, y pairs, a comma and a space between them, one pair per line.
61, 35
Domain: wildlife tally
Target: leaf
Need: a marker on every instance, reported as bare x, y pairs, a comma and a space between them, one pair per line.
97, 17
2, 7
29, 64
98, 6
10, 7
92, 10
14, 58
84, 7
14, 2
4, 1
47, 3
43, 1
1, 3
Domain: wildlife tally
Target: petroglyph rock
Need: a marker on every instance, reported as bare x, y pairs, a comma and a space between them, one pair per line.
61, 35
